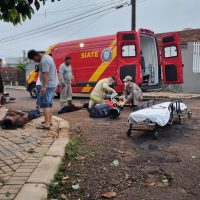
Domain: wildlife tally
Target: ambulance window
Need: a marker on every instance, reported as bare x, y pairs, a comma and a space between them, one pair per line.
168, 39
129, 37
171, 51
128, 50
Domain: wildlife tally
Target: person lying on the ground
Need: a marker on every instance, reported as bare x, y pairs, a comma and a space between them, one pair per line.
70, 108
98, 93
14, 119
132, 92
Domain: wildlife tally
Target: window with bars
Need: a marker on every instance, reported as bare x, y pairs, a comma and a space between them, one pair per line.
196, 57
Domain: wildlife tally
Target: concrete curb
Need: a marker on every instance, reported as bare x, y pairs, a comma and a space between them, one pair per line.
36, 186
14, 87
32, 192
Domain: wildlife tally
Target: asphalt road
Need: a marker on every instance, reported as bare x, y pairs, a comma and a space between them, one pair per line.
24, 101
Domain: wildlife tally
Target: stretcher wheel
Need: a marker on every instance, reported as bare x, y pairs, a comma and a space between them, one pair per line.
129, 133
155, 135
180, 120
189, 115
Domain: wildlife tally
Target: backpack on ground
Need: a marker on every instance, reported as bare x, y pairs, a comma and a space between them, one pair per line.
99, 111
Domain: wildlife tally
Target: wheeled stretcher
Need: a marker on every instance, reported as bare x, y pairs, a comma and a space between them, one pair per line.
157, 116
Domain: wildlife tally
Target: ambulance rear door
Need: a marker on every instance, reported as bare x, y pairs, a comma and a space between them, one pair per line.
128, 55
172, 67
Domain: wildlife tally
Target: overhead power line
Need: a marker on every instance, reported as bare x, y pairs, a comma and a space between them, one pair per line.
59, 25
71, 31
73, 28
59, 11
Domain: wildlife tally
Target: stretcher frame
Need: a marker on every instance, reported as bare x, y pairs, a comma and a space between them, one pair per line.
175, 112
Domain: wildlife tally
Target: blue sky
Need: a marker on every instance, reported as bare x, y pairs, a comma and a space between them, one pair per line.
157, 15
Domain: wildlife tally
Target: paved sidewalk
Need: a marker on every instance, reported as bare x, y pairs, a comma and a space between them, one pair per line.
170, 95
29, 158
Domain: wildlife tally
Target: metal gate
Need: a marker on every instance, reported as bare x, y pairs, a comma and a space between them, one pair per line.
196, 57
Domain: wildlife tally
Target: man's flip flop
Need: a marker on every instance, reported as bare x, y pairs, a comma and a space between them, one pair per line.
43, 127
51, 124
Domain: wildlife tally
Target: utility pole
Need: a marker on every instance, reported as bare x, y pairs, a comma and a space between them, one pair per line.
24, 55
133, 19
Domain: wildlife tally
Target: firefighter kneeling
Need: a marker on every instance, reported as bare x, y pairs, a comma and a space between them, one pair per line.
98, 93
133, 93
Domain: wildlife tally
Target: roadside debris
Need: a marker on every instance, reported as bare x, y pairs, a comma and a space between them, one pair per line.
115, 163
165, 182
80, 158
63, 196
194, 157
109, 195
76, 186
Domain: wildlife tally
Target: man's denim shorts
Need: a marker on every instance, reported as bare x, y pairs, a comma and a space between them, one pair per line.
46, 101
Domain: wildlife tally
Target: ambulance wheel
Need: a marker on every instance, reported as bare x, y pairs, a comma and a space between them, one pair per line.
189, 115
33, 91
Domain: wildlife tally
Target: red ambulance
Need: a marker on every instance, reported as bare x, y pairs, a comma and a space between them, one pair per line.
133, 53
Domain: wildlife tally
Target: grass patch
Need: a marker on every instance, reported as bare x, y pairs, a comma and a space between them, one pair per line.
54, 186
94, 151
72, 150
54, 189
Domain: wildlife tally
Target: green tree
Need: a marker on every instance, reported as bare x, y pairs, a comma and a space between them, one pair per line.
21, 66
16, 11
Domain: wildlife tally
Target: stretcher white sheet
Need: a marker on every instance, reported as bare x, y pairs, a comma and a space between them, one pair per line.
159, 114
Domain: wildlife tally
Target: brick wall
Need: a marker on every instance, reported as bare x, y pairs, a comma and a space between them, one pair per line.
13, 76
191, 35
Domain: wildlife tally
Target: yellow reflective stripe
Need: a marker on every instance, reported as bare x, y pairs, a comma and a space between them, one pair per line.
86, 89
32, 76
104, 65
48, 51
